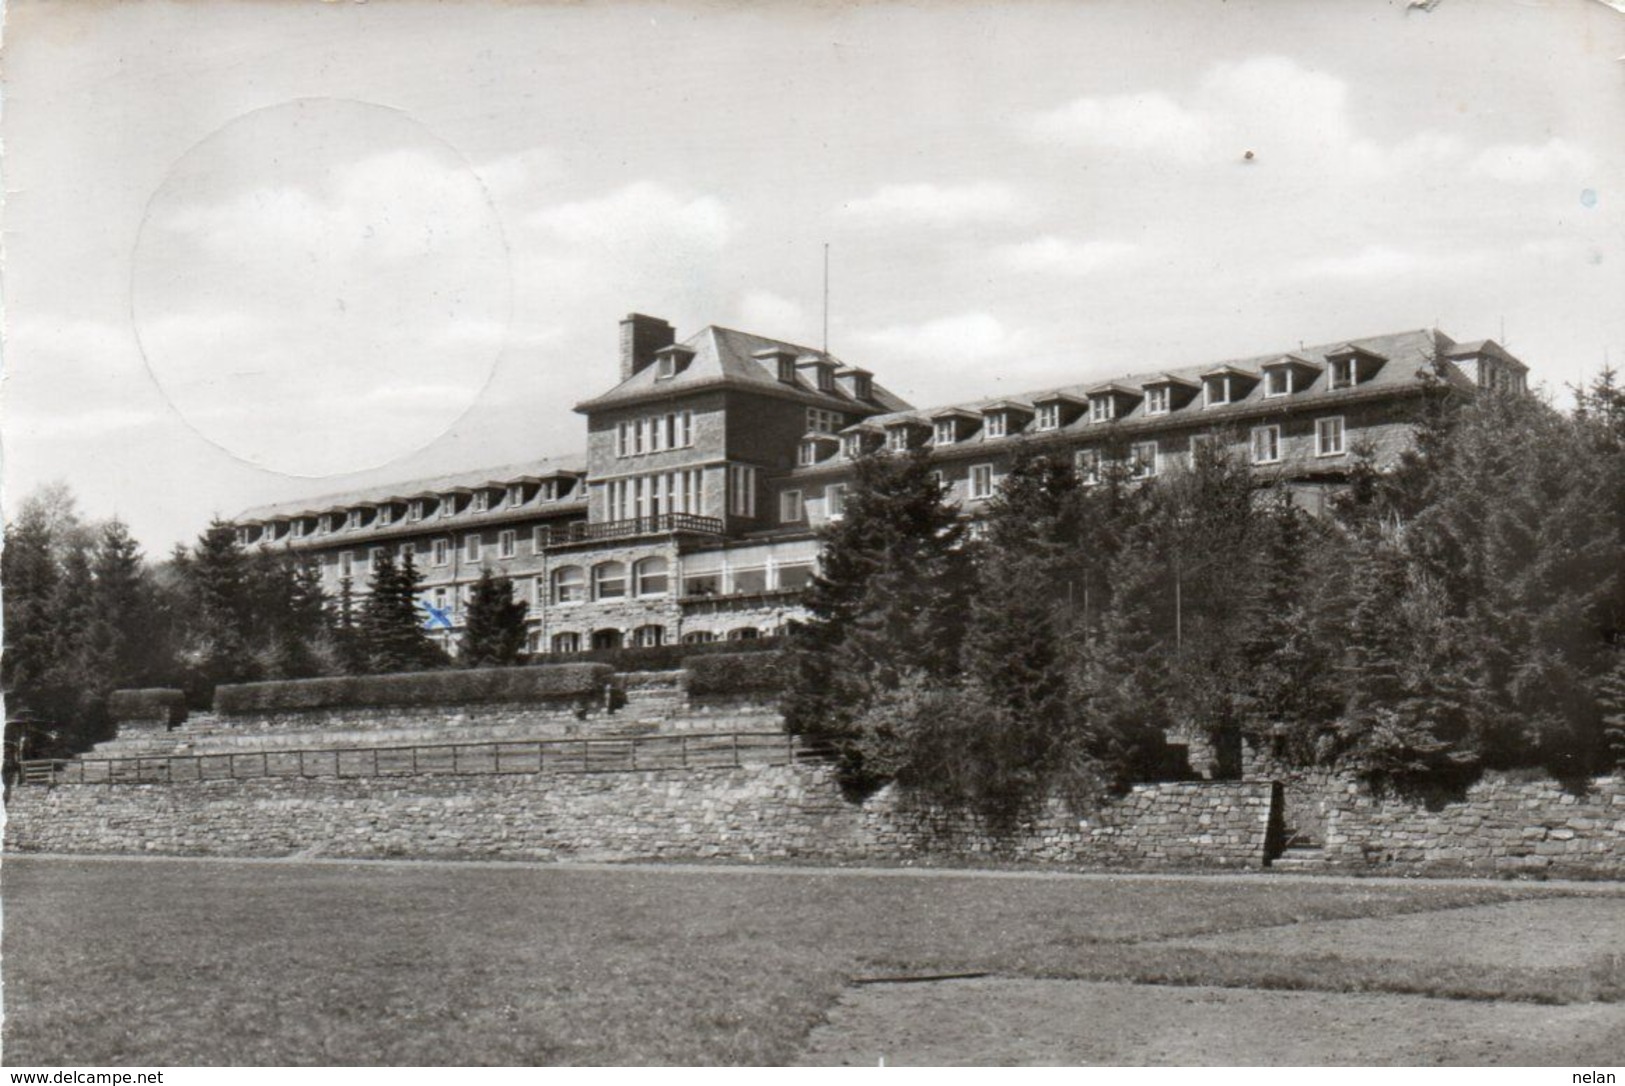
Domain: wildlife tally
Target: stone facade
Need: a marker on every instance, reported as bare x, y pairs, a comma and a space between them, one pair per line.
751, 813
1499, 825
748, 406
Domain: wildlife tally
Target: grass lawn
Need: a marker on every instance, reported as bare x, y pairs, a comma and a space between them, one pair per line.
172, 962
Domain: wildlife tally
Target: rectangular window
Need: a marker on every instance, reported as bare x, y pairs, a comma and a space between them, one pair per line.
749, 582
471, 547
481, 501
741, 490
1278, 381
408, 550
442, 597
835, 500
702, 584
1102, 409
507, 543
346, 565
516, 496
794, 577
1341, 374
943, 432
386, 513
415, 510
790, 507
1266, 444
1049, 416
1201, 444
851, 446
441, 554
897, 439
820, 421
981, 481
1087, 464
1329, 436
997, 425
1143, 458
807, 453
1216, 391
1156, 400
623, 439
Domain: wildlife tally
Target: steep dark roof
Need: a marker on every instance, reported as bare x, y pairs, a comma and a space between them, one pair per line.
722, 359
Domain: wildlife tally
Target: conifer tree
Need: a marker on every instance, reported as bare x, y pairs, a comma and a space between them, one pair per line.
890, 601
391, 626
494, 631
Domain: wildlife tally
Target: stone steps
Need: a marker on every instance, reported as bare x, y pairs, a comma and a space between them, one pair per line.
1300, 858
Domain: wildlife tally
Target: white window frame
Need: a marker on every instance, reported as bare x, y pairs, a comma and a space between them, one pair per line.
1049, 416
473, 547
996, 424
1320, 436
981, 484
480, 502
1266, 444
1342, 373
601, 577
820, 421
1157, 399
1141, 465
943, 432
851, 446
346, 565
1102, 408
1209, 384
507, 543
835, 501
807, 453
741, 490
1283, 372
556, 585
440, 552
897, 439
790, 507
1086, 462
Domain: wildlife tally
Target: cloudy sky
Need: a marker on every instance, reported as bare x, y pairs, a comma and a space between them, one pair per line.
252, 250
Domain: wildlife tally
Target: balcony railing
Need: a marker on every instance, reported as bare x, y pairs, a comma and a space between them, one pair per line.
663, 524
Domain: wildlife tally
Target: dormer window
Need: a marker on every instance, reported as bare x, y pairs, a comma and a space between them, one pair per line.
665, 367
1349, 366
670, 361
943, 433
852, 446
386, 515
826, 379
787, 370
448, 505
516, 495
1102, 409
997, 425
298, 529
414, 511
862, 386
1278, 381
481, 501
353, 519
807, 454
897, 439
1049, 416
1215, 391
1156, 400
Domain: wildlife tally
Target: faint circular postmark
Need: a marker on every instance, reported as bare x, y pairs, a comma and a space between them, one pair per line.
321, 286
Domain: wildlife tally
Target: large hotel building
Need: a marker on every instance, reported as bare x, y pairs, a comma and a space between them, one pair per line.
693, 513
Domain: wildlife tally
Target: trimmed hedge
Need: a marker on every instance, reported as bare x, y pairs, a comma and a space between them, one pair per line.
737, 673
416, 689
667, 657
153, 703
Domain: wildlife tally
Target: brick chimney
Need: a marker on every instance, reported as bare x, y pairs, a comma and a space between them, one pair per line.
641, 339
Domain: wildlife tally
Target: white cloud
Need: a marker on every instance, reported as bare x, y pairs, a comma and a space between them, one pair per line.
1123, 122
1371, 262
962, 338
1531, 164
97, 422
644, 212
1052, 255
768, 313
930, 204
519, 173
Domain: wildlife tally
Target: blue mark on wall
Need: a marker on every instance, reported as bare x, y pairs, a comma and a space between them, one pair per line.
435, 618
1588, 197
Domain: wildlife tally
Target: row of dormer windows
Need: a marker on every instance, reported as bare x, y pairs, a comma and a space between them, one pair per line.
403, 511
655, 433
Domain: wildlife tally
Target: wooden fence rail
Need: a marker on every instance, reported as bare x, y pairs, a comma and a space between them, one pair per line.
590, 755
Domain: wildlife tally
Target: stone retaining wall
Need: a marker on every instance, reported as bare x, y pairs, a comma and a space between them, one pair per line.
749, 813
1500, 825
562, 716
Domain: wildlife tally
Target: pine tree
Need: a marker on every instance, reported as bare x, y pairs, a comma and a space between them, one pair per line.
219, 609
391, 627
494, 632
344, 620
890, 601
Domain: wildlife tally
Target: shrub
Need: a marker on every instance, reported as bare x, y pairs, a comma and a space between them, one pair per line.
412, 689
156, 703
736, 673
